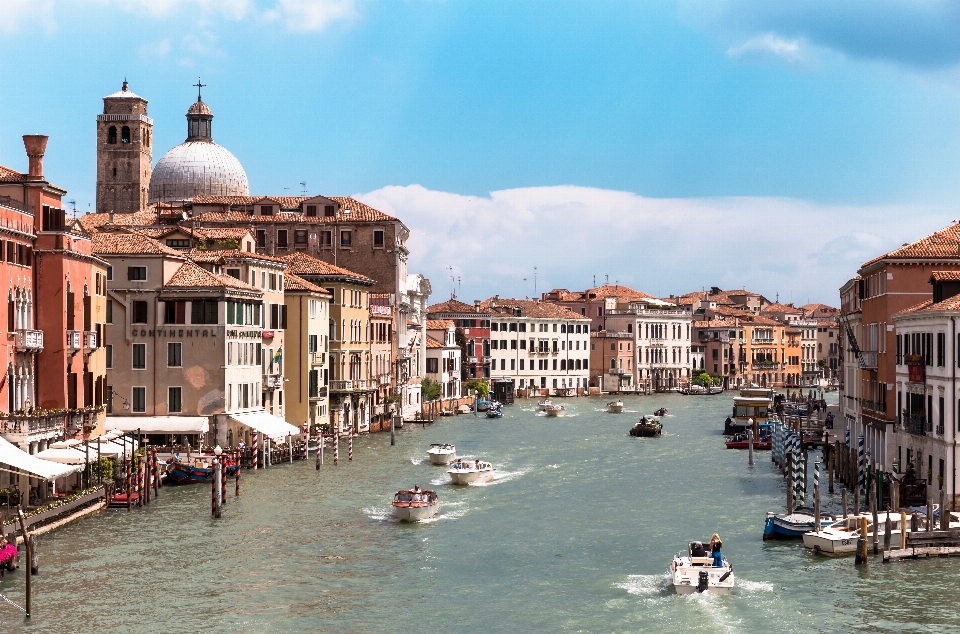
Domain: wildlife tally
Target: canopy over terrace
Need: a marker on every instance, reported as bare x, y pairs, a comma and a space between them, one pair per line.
159, 424
267, 424
16, 460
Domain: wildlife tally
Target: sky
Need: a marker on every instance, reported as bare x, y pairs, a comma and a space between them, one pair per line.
530, 145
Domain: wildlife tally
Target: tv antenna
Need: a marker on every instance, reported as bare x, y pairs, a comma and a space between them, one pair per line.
303, 184
453, 283
73, 204
534, 281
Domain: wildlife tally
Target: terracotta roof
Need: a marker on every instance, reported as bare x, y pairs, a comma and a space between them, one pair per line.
294, 283
439, 324
941, 245
530, 308
433, 343
359, 212
302, 264
926, 304
777, 307
601, 292
455, 306
92, 222
129, 243
285, 202
8, 175
157, 232
191, 275
945, 276
218, 233
213, 255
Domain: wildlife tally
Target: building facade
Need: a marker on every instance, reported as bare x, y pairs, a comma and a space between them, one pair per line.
307, 336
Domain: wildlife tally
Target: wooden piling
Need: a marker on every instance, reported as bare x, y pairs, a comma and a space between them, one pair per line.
217, 488
319, 450
944, 514
895, 495
237, 477
214, 487
931, 525
903, 530
140, 473
223, 481
856, 500
750, 447
816, 508
34, 556
336, 445
843, 495
128, 473
26, 544
876, 520
350, 447
290, 446
887, 532
829, 449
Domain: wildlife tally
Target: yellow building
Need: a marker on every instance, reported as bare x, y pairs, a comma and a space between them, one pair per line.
350, 387
307, 337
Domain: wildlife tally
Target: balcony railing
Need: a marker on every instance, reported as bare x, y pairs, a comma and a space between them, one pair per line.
73, 339
915, 423
876, 406
763, 340
385, 379
31, 424
346, 386
272, 381
90, 339
318, 358
868, 358
29, 340
765, 365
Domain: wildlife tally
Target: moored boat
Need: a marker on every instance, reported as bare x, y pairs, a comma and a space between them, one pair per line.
794, 525
179, 472
416, 504
615, 407
647, 427
554, 410
483, 405
495, 411
441, 453
470, 471
695, 572
763, 442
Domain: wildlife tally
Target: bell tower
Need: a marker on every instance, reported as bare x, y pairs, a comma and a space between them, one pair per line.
124, 153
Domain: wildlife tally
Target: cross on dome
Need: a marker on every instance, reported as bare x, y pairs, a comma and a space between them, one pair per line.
198, 85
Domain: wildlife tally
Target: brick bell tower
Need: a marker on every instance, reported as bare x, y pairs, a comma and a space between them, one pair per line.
124, 153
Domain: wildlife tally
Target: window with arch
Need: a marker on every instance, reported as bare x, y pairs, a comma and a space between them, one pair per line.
125, 134
112, 135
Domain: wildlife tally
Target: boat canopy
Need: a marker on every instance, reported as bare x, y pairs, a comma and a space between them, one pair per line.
159, 424
266, 424
11, 456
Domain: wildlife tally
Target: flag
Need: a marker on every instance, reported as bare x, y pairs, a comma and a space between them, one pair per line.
279, 356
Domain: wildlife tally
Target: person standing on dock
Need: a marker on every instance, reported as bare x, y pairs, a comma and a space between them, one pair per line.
715, 546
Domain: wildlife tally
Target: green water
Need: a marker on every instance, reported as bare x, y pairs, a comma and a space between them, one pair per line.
574, 536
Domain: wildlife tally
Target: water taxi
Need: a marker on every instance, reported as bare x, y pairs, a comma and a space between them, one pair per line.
416, 504
696, 572
752, 403
544, 404
554, 410
615, 407
647, 427
470, 471
495, 411
765, 441
441, 453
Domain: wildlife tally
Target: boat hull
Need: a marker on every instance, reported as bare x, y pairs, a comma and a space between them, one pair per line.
553, 412
743, 444
833, 544
791, 526
645, 433
442, 458
471, 477
416, 513
615, 409
178, 473
686, 576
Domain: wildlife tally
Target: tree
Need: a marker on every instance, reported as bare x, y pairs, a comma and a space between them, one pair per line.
703, 379
432, 390
480, 386
462, 342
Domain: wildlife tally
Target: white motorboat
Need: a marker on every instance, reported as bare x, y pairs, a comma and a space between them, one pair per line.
415, 505
544, 404
554, 410
441, 453
841, 538
695, 572
470, 471
615, 407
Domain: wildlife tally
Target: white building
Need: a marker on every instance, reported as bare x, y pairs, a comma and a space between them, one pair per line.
925, 433
444, 360
661, 340
538, 345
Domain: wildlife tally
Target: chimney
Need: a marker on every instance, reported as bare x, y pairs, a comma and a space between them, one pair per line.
36, 146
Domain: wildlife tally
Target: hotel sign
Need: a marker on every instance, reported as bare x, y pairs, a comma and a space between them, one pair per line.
916, 372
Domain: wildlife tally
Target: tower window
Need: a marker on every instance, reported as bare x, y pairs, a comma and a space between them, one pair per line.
125, 134
112, 135
311, 210
266, 210
114, 171
328, 210
378, 238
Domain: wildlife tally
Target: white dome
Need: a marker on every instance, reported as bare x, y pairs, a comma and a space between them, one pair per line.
197, 168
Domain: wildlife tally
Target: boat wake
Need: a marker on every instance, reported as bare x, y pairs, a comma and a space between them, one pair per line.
418, 461
645, 584
445, 514
754, 586
379, 513
501, 476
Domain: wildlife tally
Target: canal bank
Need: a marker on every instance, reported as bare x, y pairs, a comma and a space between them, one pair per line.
575, 535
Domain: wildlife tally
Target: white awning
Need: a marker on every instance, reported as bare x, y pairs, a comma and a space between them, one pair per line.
11, 456
111, 448
268, 424
65, 455
159, 424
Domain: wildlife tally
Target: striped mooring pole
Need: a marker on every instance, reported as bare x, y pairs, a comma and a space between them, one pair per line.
256, 450
816, 474
861, 471
336, 445
350, 446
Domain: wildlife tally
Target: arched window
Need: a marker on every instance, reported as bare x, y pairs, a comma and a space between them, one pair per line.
112, 135
125, 134
146, 138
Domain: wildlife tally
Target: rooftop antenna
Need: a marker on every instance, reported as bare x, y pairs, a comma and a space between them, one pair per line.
594, 280
606, 279
303, 184
73, 204
534, 281
453, 288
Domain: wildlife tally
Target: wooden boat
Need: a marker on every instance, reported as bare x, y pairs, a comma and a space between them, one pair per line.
739, 441
179, 472
441, 453
661, 412
495, 411
793, 526
615, 407
483, 405
468, 472
415, 505
696, 572
554, 410
544, 404
647, 427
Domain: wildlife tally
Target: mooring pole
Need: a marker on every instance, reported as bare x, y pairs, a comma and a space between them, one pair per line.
26, 544
393, 434
750, 447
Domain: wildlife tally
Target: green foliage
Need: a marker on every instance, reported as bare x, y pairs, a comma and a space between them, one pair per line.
104, 468
703, 379
462, 342
480, 386
432, 390
822, 364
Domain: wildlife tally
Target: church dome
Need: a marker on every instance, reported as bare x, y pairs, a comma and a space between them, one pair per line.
198, 166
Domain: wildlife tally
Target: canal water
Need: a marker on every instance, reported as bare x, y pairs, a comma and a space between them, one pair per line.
575, 535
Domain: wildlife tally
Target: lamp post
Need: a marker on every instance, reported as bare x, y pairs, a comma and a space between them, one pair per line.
217, 485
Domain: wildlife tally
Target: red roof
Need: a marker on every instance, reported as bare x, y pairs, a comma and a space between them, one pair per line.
529, 308
433, 343
294, 283
439, 324
454, 306
941, 245
191, 275
129, 243
302, 264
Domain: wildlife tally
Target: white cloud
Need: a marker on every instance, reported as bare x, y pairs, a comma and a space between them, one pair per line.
312, 15
14, 13
769, 44
658, 245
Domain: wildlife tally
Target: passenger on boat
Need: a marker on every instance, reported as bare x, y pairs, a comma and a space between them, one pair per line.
477, 464
698, 550
715, 545
241, 445
416, 488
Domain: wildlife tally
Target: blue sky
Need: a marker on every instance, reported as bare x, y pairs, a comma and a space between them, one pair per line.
669, 145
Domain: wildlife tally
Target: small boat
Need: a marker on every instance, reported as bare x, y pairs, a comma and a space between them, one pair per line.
647, 427
179, 472
615, 407
119, 501
695, 572
468, 472
483, 405
544, 404
661, 412
793, 526
740, 441
441, 453
841, 537
415, 505
554, 410
495, 411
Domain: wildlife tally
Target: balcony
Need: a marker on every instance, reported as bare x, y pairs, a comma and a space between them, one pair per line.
272, 381
348, 386
318, 358
763, 340
915, 423
385, 379
876, 406
868, 359
73, 339
31, 428
765, 365
29, 340
471, 360
619, 371
90, 340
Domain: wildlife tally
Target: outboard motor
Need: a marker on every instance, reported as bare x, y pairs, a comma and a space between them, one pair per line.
703, 582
